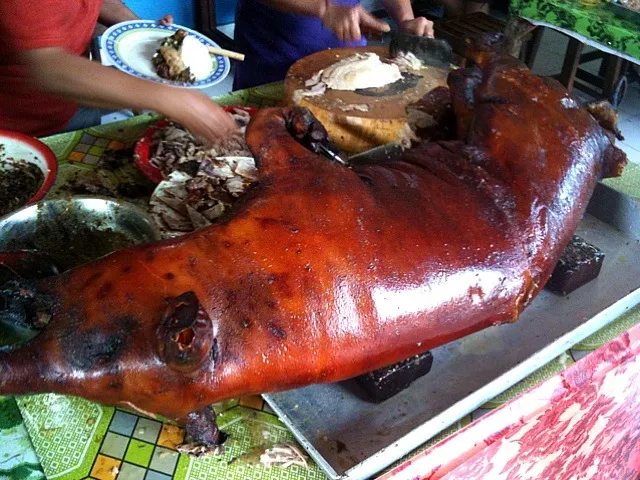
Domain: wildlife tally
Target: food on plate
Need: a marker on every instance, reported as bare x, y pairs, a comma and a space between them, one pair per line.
183, 58
19, 182
580, 263
174, 148
201, 182
185, 202
322, 272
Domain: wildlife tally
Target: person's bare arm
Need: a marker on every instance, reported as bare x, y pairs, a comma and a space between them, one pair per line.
114, 11
88, 83
314, 8
402, 12
399, 10
344, 20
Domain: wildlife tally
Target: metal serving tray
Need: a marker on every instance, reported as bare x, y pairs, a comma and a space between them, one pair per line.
352, 438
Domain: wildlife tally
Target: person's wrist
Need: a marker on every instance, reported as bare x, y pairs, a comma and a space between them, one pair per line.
126, 15
403, 20
323, 8
173, 103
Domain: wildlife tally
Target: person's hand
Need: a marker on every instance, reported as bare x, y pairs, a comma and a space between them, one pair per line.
166, 20
201, 116
418, 26
346, 21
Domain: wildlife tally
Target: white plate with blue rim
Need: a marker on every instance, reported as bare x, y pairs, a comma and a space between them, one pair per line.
130, 46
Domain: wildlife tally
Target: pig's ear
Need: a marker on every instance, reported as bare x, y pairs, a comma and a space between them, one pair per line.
185, 334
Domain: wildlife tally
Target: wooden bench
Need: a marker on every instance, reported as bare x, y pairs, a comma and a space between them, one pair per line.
610, 83
456, 30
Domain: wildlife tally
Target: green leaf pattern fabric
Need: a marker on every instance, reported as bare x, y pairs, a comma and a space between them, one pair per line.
596, 23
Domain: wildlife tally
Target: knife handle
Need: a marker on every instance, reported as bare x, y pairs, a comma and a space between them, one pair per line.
328, 150
371, 34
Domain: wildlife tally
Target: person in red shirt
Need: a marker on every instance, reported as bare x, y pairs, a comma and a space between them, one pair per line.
45, 79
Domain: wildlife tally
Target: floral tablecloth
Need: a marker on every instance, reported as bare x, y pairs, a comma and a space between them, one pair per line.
57, 437
596, 26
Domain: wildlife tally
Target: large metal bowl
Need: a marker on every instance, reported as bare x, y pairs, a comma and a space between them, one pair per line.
76, 230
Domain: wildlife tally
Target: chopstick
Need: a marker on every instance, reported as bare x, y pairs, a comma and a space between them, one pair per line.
226, 53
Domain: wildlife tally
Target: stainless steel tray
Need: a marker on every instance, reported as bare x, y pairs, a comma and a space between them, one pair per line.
352, 438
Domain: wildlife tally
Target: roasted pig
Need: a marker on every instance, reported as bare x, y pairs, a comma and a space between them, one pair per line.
322, 272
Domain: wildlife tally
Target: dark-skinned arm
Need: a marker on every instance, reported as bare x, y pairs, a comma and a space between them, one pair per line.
93, 85
402, 12
346, 21
114, 11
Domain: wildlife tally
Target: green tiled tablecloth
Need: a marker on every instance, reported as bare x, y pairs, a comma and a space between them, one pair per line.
57, 437
595, 25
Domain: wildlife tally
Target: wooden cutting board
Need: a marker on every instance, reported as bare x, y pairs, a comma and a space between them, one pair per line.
363, 119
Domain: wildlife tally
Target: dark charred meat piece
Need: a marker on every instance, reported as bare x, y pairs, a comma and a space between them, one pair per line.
605, 114
135, 189
432, 117
90, 183
20, 264
190, 167
115, 159
175, 40
386, 382
168, 62
304, 127
203, 429
162, 68
202, 434
19, 182
579, 264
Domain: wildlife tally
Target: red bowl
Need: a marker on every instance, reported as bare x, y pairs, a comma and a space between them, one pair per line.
142, 149
23, 147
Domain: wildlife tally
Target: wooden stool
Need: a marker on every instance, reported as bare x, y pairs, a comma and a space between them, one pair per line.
610, 83
456, 30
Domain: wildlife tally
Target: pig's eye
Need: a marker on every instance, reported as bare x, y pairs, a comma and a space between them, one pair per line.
185, 334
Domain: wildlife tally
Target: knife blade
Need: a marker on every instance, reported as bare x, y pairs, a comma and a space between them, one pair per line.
430, 51
382, 154
331, 152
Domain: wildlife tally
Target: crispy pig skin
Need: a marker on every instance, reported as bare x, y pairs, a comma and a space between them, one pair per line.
322, 272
